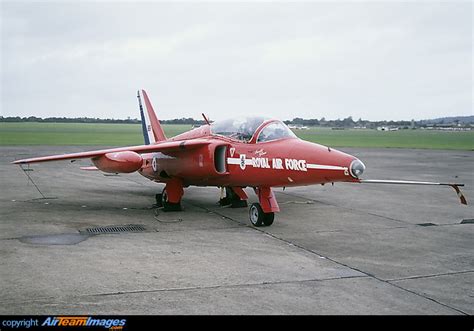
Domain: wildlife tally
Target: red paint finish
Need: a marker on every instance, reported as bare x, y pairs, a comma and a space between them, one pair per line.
174, 190
267, 200
240, 192
118, 162
195, 167
155, 124
164, 147
287, 162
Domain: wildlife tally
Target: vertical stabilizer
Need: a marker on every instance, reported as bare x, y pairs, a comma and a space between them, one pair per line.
146, 133
152, 130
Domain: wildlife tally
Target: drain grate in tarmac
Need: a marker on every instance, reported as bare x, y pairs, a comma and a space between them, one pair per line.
116, 229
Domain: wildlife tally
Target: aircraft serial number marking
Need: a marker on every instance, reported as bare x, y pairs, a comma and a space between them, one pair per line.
280, 164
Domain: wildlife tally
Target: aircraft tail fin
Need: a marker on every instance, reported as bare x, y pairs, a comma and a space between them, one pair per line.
151, 127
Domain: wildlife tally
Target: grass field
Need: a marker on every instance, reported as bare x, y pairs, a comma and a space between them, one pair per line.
77, 133
429, 139
131, 134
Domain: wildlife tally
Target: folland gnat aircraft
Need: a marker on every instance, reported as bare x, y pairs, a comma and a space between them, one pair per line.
233, 154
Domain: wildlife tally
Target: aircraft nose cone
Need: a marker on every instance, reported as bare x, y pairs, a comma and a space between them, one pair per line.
356, 168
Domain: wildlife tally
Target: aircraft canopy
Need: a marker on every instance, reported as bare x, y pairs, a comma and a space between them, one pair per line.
244, 128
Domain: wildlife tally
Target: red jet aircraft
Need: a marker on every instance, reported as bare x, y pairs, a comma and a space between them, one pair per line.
233, 154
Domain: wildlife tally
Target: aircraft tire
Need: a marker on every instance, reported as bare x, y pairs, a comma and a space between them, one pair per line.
158, 198
168, 206
268, 219
225, 201
256, 214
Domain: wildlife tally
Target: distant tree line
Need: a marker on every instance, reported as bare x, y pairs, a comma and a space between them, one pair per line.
323, 122
183, 120
346, 123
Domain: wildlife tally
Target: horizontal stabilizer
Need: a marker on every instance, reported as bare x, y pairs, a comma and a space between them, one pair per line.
409, 182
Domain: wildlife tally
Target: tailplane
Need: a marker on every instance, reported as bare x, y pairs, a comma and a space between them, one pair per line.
151, 127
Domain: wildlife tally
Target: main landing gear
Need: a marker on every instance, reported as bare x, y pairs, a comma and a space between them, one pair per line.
170, 197
163, 201
235, 197
261, 213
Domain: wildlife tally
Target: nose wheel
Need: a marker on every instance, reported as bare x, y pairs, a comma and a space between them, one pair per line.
258, 217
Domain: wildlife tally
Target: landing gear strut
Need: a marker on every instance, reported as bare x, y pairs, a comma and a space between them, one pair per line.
162, 201
263, 212
167, 205
233, 199
170, 197
258, 217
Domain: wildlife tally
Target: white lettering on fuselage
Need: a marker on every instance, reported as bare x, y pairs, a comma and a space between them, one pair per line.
281, 164
293, 164
260, 162
276, 163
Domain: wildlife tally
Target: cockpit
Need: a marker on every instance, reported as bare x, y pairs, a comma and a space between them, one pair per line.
244, 129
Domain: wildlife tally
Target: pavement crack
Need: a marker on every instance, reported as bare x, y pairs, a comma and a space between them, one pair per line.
192, 288
179, 289
426, 297
430, 276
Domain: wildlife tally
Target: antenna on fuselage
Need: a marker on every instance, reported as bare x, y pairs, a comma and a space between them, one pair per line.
206, 119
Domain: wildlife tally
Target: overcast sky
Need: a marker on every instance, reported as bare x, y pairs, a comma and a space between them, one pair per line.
374, 60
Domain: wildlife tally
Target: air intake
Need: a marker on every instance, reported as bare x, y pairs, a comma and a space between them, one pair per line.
219, 159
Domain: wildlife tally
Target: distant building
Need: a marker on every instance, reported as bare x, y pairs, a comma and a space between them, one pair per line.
387, 128
298, 127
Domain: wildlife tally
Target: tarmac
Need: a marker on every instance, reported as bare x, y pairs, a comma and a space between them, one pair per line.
346, 249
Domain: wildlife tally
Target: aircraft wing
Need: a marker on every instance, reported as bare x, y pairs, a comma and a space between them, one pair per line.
163, 147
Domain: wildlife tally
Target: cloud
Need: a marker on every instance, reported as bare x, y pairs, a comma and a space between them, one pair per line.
363, 59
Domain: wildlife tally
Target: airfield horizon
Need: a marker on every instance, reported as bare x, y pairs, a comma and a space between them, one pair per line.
63, 134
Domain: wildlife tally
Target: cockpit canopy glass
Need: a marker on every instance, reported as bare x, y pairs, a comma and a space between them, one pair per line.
274, 131
238, 128
244, 128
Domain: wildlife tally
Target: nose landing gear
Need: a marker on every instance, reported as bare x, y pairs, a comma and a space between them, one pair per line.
258, 217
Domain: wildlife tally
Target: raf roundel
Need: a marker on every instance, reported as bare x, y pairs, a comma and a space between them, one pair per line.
242, 161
